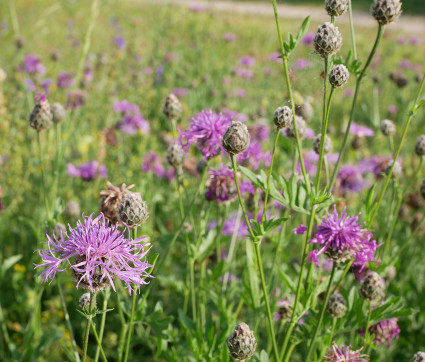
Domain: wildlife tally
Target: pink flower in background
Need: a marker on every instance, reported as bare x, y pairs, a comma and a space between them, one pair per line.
363, 131
32, 64
392, 109
308, 39
247, 61
87, 171
230, 37
302, 64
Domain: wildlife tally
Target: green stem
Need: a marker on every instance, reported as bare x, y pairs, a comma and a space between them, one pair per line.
68, 322
403, 136
106, 296
291, 97
260, 265
366, 333
353, 36
43, 176
130, 326
353, 105
322, 313
270, 174
284, 353
88, 322
99, 343
123, 327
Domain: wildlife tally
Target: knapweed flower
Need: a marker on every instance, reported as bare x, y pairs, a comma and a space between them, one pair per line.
362, 131
32, 64
350, 178
253, 156
342, 238
119, 41
76, 99
247, 61
206, 131
87, 171
153, 163
308, 39
302, 63
64, 80
344, 354
230, 37
131, 121
96, 253
385, 331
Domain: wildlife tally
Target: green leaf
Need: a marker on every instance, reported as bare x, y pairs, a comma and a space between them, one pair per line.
187, 322
288, 282
9, 262
207, 245
303, 29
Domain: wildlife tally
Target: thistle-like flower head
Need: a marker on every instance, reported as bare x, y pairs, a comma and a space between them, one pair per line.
344, 354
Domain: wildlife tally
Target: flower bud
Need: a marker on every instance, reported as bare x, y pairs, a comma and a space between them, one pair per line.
418, 357
175, 155
172, 108
72, 210
337, 306
336, 7
84, 301
41, 116
390, 274
301, 128
327, 147
236, 138
133, 210
327, 40
358, 142
59, 230
420, 146
242, 343
305, 111
372, 288
386, 11
388, 128
58, 113
397, 170
338, 76
282, 117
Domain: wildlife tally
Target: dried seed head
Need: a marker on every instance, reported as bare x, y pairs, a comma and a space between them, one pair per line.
338, 76
72, 210
327, 40
337, 306
282, 117
396, 171
175, 155
242, 343
301, 127
110, 200
372, 288
336, 7
41, 116
415, 200
327, 146
84, 301
58, 113
133, 210
388, 128
418, 357
420, 146
305, 111
236, 138
386, 11
172, 108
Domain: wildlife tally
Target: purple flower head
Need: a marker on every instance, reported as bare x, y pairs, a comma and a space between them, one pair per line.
119, 41
230, 37
247, 61
239, 92
64, 80
362, 131
350, 178
414, 40
32, 64
300, 230
405, 64
392, 109
131, 121
243, 72
374, 165
259, 132
221, 186
308, 39
30, 85
87, 171
206, 131
232, 222
275, 57
311, 160
254, 155
152, 162
197, 8
302, 64
385, 331
46, 85
344, 354
234, 115
97, 254
180, 92
341, 238
75, 99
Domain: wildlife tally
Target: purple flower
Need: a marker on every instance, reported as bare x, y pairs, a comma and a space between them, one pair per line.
247, 61
64, 80
206, 131
30, 85
46, 85
254, 155
32, 64
344, 354
87, 171
302, 64
362, 131
97, 254
234, 115
308, 39
243, 72
259, 132
311, 160
405, 64
300, 230
158, 74
155, 164
350, 178
374, 165
231, 223
131, 121
119, 41
275, 57
180, 92
401, 40
230, 37
384, 331
197, 8
348, 93
75, 99
241, 93
341, 238
267, 70
414, 40
392, 109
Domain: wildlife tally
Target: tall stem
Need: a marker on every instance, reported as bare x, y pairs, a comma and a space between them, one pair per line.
291, 97
43, 176
68, 322
353, 105
260, 265
99, 343
130, 326
322, 313
270, 174
353, 36
106, 296
403, 136
88, 322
